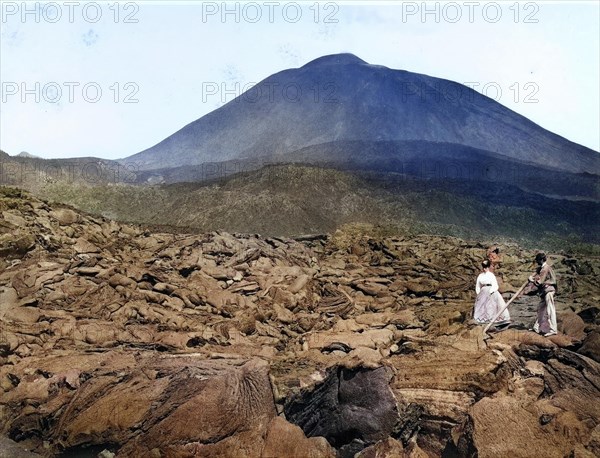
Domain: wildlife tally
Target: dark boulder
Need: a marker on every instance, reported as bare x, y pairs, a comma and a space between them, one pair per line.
352, 408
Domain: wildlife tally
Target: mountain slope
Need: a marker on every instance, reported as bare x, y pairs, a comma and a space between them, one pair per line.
295, 199
342, 98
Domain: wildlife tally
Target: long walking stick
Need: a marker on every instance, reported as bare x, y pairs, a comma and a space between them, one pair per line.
506, 306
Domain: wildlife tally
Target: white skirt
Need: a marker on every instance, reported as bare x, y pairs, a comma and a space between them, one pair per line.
488, 305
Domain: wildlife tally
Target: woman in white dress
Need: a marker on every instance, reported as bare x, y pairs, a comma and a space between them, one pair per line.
489, 300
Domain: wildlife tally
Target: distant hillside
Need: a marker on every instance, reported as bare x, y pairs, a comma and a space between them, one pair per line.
26, 154
294, 200
420, 160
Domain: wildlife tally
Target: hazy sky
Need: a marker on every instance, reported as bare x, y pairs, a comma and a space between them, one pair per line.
111, 79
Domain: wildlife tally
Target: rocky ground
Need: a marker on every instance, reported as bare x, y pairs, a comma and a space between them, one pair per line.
119, 341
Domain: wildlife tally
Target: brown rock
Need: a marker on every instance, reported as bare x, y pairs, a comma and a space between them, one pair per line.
83, 246
562, 340
285, 439
88, 271
64, 216
16, 244
572, 325
8, 299
283, 314
371, 289
164, 288
231, 411
591, 346
391, 448
14, 219
438, 403
298, 284
517, 337
219, 273
121, 280
372, 338
388, 448
504, 427
422, 287
11, 449
402, 319
594, 445
366, 357
27, 315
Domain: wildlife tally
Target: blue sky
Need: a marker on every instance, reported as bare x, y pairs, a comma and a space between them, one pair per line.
111, 79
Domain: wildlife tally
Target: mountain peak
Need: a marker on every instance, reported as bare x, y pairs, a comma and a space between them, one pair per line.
336, 59
340, 97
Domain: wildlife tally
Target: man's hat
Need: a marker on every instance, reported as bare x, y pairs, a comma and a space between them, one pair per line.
540, 256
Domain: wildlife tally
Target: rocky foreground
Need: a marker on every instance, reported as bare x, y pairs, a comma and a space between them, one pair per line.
118, 341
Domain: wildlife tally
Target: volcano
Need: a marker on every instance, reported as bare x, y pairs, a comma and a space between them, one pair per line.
339, 106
